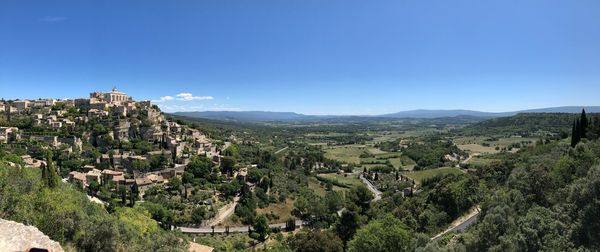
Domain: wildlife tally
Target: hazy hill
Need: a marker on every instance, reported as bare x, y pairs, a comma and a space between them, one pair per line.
264, 116
427, 113
526, 124
245, 115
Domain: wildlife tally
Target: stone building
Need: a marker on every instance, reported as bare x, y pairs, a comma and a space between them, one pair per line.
9, 134
113, 97
121, 130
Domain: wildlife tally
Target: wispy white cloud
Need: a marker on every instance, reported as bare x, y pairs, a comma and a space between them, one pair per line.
190, 97
164, 98
183, 97
184, 108
51, 19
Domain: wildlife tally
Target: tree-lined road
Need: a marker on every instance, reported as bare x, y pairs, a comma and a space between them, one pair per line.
220, 230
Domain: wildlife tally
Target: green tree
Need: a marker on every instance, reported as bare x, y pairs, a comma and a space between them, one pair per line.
385, 235
316, 241
333, 201
347, 225
140, 165
584, 123
575, 134
94, 186
200, 167
360, 196
261, 227
228, 165
49, 174
198, 214
232, 151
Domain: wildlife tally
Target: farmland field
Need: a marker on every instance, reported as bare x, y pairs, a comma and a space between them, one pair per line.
347, 154
419, 176
319, 189
347, 180
407, 163
375, 151
396, 162
478, 161
478, 148
475, 144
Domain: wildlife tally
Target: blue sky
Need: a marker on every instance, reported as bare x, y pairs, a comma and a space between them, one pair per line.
314, 57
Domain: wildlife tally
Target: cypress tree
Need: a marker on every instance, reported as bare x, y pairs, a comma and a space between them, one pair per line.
49, 174
44, 169
584, 123
576, 135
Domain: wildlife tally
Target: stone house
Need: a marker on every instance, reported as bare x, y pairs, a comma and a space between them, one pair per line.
21, 105
9, 134
93, 175
78, 177
121, 130
110, 175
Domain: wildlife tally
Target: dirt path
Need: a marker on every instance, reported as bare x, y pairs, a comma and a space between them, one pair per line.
470, 157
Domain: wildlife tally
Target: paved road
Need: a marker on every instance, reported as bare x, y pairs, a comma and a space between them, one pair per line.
282, 149
208, 230
468, 220
372, 188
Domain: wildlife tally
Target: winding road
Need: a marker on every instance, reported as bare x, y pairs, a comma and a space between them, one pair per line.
371, 188
462, 223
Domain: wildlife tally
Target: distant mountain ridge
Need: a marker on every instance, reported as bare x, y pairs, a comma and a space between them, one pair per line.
265, 116
248, 115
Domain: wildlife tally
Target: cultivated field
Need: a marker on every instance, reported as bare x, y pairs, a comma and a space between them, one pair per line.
347, 153
346, 179
419, 176
490, 145
319, 189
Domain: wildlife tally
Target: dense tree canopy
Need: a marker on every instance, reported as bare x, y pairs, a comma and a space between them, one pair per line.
385, 235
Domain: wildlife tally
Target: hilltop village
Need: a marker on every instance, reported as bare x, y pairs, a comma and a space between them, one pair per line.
128, 142
93, 172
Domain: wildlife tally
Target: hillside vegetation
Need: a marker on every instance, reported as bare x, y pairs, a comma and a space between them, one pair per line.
524, 124
67, 216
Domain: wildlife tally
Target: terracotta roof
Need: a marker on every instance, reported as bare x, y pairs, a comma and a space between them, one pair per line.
77, 176
143, 181
118, 178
